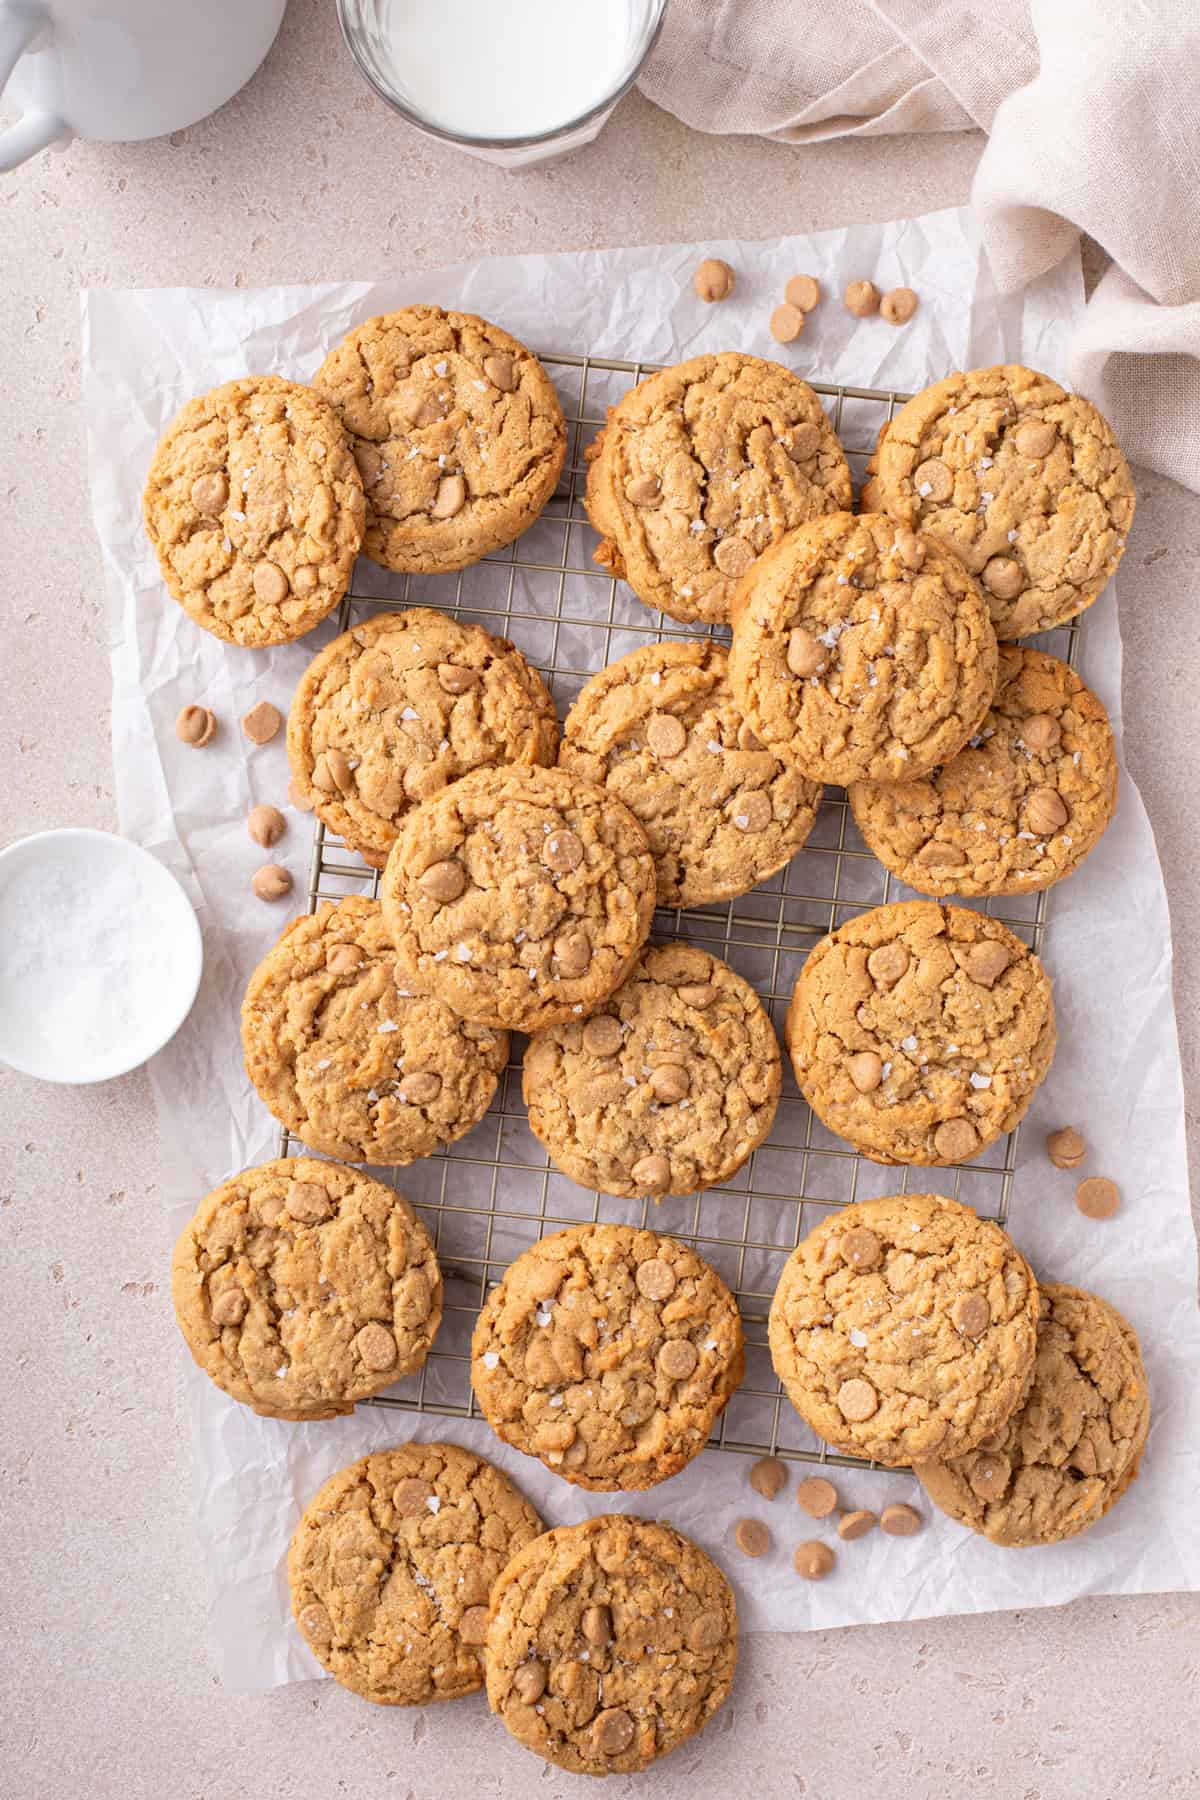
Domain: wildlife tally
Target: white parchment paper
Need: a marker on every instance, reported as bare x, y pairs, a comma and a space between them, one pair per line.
1117, 1071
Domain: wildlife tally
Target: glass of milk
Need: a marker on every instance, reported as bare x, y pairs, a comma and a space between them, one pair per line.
511, 81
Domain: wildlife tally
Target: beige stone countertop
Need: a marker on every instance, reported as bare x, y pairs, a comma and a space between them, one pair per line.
105, 1686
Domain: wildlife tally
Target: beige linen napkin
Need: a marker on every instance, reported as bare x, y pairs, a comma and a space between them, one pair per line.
1093, 113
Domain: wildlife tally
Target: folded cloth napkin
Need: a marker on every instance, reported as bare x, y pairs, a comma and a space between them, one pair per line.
1092, 109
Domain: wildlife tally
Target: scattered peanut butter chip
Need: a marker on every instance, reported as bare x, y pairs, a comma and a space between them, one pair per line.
1045, 812
1002, 576
787, 322
862, 1250
1098, 1197
472, 1627
655, 1278
651, 1173
1066, 1148
602, 1035
768, 1476
643, 490
376, 1346
804, 654
271, 882
933, 480
857, 1400
308, 1202
454, 679
713, 280
898, 305
677, 1358
451, 497
209, 494
752, 1537
955, 1139
861, 298
986, 962
899, 1520
597, 1625
670, 1082
229, 1307
813, 1560
501, 371
316, 1625
665, 735
409, 1497
332, 773
342, 958
443, 881
530, 1681
420, 1088
988, 1475
573, 953
971, 1315
886, 965
865, 1071
856, 1524
195, 725
752, 811
612, 1731
1035, 438
804, 442
266, 825
298, 798
817, 1496
1041, 732
733, 556
697, 993
262, 722
803, 292
270, 583
562, 851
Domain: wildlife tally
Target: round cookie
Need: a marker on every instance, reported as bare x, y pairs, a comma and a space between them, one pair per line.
608, 1352
303, 1286
905, 1328
520, 896
1022, 480
660, 729
920, 1032
391, 1566
702, 466
397, 708
255, 508
610, 1644
1072, 1448
1020, 807
667, 1089
348, 1057
457, 431
861, 652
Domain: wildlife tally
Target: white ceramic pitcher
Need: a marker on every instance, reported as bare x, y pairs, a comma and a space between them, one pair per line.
124, 69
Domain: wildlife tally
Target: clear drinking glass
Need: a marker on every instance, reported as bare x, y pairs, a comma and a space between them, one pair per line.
406, 65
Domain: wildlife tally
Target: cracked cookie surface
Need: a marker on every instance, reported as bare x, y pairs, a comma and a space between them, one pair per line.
667, 1089
457, 431
255, 508
920, 1032
1016, 810
392, 1564
347, 1056
661, 730
905, 1328
303, 1286
701, 467
610, 1644
400, 706
861, 651
1072, 1448
607, 1351
520, 896
1022, 480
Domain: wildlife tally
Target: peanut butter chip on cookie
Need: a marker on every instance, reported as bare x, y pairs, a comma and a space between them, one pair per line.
1066, 1148
804, 442
817, 1496
409, 1497
501, 372
899, 1520
651, 1174
612, 1731
1041, 732
305, 579
910, 549
733, 556
643, 490
266, 825
262, 722
955, 1139
751, 812
665, 735
444, 881
196, 726
1002, 577
655, 1279
971, 1315
1098, 1197
529, 1681
866, 1071
451, 497
454, 679
856, 1524
898, 305
787, 322
857, 1400
813, 1560
707, 1632
1035, 438
342, 958
677, 1358
933, 480
862, 299
229, 1307
696, 993
271, 882
768, 1477
209, 494
562, 851
376, 1346
270, 583
862, 1250
989, 1475
1044, 811
670, 1082
332, 773
573, 953
420, 1088
986, 962
752, 1537
713, 280
602, 1035
803, 292
472, 1627
315, 1623
886, 965
804, 654
308, 1202
597, 1625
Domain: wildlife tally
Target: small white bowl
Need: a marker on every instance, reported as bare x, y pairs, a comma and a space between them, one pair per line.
66, 1016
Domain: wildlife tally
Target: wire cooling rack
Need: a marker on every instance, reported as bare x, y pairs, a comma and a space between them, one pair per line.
494, 1192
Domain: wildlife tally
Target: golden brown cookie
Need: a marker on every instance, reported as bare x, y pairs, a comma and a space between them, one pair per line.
520, 896
905, 1328
1022, 480
1016, 810
391, 1566
667, 1089
608, 1352
610, 1644
920, 1032
303, 1286
397, 708
861, 651
1072, 1448
457, 430
255, 509
348, 1057
661, 730
702, 466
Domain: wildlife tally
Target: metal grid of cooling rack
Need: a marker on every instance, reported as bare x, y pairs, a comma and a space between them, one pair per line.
494, 1192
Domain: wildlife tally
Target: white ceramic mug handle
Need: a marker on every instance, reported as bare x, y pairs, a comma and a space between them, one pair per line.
19, 25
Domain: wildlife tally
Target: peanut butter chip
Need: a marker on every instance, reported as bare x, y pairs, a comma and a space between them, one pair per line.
752, 1537
270, 583
409, 1497
989, 1475
805, 442
229, 1307
857, 1400
899, 1520
562, 851
262, 722
934, 476
572, 953
529, 1681
747, 739
1044, 811
271, 882
332, 773
862, 299
472, 1627
787, 322
817, 1496
1041, 732
421, 1087
856, 1524
1098, 1197
707, 1632
1002, 577
308, 1202
670, 1082
651, 1174
751, 812
501, 372
453, 679
315, 1623
713, 280
444, 881
665, 735
986, 962
305, 579
376, 1346
866, 1071
898, 305
1035, 438
971, 1315
602, 1035
655, 1279
342, 958
451, 497
196, 726
955, 1139
804, 654
768, 1477
813, 1560
733, 556
597, 1625
209, 494
886, 965
910, 549
677, 1358
612, 1731
696, 993
643, 490
1066, 1148
862, 1250
803, 292
266, 825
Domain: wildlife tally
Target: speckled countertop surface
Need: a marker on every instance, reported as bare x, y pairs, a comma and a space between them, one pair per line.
105, 1687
